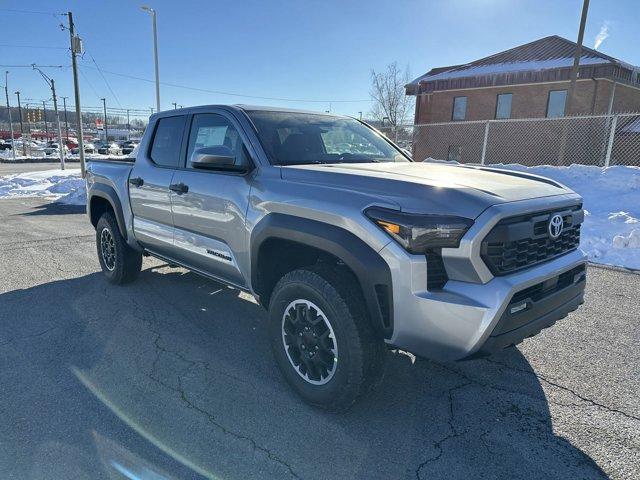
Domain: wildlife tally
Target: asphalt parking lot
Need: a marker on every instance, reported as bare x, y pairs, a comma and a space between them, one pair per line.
172, 377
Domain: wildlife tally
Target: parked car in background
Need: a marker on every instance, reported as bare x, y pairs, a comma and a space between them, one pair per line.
53, 148
128, 145
88, 148
109, 148
5, 145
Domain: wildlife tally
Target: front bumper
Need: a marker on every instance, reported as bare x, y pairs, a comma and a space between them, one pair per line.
468, 319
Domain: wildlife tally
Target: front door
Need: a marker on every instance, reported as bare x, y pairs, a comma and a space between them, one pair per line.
209, 214
149, 184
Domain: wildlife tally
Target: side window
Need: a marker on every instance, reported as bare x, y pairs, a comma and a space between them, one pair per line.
167, 140
459, 108
556, 103
212, 130
503, 105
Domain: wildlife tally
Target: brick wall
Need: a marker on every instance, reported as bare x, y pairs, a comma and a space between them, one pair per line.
528, 101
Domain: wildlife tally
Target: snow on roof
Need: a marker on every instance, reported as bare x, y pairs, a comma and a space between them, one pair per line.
495, 68
545, 53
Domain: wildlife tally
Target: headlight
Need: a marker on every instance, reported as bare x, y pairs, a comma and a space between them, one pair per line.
419, 233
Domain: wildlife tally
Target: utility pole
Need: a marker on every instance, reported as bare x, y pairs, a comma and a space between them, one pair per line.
44, 117
76, 48
52, 84
360, 115
106, 130
576, 58
128, 126
6, 93
175, 105
26, 107
24, 147
66, 122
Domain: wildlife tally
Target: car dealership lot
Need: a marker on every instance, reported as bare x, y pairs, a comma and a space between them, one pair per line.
173, 374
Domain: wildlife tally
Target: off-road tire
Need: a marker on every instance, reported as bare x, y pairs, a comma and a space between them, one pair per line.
361, 352
122, 264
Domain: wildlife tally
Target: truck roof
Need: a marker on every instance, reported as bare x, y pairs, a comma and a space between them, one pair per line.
240, 107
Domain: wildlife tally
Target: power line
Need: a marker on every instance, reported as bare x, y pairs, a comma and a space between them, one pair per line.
32, 46
106, 82
31, 66
14, 10
232, 94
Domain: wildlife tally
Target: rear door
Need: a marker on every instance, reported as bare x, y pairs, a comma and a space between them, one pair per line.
149, 184
209, 213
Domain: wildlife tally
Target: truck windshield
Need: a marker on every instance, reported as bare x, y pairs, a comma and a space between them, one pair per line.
303, 138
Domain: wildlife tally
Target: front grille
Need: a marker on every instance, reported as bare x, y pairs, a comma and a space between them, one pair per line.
516, 243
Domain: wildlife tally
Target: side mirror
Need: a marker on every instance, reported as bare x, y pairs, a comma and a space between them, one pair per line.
213, 158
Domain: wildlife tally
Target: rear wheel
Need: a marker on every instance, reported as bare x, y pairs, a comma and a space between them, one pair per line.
120, 263
322, 340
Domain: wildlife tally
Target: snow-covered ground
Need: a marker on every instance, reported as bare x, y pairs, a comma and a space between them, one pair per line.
610, 233
65, 186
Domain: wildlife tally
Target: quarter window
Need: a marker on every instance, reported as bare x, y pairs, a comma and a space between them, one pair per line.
556, 103
167, 140
503, 105
212, 130
459, 108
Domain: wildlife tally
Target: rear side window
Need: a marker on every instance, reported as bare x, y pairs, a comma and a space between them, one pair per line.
165, 150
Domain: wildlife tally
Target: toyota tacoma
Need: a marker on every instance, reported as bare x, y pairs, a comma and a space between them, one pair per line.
351, 246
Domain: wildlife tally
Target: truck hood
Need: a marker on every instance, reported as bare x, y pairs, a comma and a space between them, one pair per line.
430, 187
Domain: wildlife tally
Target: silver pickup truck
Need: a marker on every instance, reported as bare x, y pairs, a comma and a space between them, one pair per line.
351, 246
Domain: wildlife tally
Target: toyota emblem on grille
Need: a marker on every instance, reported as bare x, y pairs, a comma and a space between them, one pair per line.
555, 226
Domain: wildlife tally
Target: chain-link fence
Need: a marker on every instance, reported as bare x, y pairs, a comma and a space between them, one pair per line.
601, 140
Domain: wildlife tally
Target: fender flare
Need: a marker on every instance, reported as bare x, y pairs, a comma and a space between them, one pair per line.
109, 194
369, 267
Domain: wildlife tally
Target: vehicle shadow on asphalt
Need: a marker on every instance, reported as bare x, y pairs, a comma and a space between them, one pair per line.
53, 208
186, 364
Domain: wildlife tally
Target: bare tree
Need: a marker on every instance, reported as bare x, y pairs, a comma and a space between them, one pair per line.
387, 90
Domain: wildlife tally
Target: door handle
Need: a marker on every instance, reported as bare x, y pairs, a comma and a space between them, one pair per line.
179, 188
137, 181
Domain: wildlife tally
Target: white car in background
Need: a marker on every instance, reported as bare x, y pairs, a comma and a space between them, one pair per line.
54, 148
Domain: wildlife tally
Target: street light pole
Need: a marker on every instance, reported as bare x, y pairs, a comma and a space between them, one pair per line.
6, 93
66, 122
175, 105
106, 130
24, 148
128, 126
155, 51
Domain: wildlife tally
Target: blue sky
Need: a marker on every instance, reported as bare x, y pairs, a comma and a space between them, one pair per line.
304, 50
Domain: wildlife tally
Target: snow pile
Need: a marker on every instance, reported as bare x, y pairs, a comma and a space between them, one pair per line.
65, 186
611, 230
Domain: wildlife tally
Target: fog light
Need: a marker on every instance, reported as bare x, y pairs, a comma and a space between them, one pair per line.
518, 308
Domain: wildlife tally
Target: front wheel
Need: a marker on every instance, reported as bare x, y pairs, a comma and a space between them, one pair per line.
322, 339
120, 263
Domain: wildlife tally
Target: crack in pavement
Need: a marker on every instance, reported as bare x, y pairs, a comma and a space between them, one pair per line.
566, 389
160, 349
33, 335
454, 432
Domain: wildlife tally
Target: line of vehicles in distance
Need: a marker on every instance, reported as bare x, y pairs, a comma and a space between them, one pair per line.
40, 148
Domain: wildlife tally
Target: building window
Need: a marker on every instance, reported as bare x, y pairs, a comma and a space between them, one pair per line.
503, 105
556, 103
459, 108
454, 153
